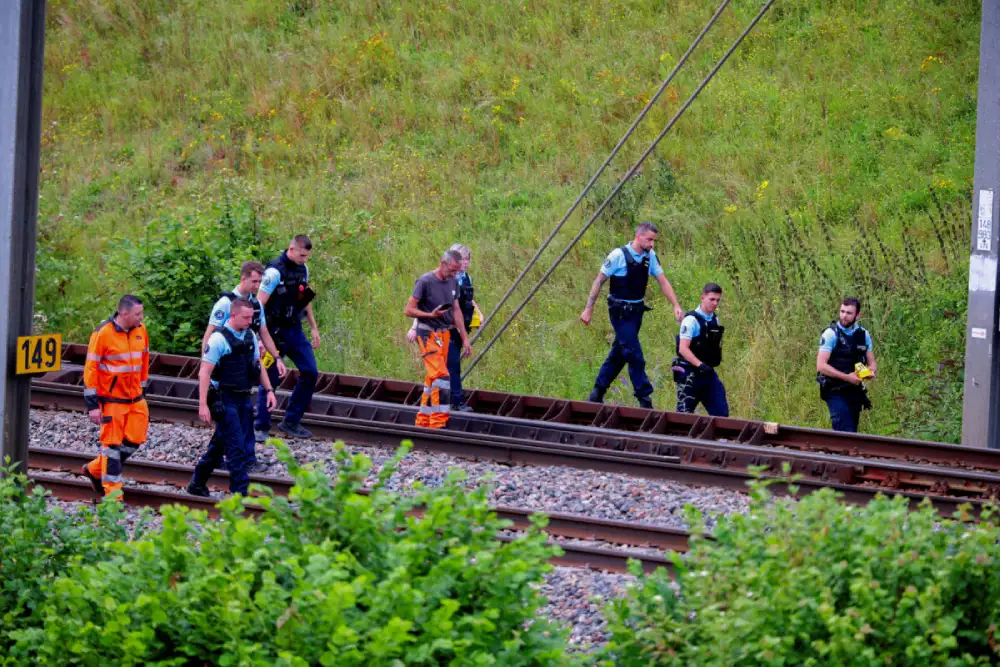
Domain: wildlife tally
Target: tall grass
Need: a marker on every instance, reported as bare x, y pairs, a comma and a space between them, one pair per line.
832, 155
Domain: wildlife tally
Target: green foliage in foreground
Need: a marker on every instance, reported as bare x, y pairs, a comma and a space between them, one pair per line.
38, 544
819, 582
324, 577
833, 154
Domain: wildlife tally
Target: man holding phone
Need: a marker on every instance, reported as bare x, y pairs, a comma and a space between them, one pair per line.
434, 304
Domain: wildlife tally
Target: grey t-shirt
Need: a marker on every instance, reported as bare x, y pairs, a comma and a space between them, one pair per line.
430, 292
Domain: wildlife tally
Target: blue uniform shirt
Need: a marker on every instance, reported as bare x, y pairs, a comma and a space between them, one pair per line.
691, 327
218, 347
220, 311
272, 278
615, 265
828, 340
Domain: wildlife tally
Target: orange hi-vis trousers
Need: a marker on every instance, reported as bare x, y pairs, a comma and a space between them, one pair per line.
435, 404
123, 429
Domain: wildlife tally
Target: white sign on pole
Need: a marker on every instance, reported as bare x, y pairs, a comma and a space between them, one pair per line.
984, 230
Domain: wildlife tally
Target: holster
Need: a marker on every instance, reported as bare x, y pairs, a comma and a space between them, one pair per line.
681, 370
214, 401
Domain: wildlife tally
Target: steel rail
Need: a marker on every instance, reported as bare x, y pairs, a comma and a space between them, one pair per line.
374, 423
568, 414
572, 526
534, 442
579, 556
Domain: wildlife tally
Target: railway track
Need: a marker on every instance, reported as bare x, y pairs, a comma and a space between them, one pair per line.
565, 526
536, 430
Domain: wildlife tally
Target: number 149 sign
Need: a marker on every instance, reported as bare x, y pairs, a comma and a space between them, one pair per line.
39, 354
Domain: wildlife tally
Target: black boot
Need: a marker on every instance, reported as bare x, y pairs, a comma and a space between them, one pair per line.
645, 402
596, 395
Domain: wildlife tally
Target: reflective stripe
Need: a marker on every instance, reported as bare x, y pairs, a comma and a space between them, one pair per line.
442, 384
111, 453
112, 478
90, 392
145, 383
119, 369
93, 357
424, 409
444, 407
124, 356
427, 389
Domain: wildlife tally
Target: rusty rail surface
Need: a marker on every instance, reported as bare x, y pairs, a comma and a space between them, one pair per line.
571, 526
339, 410
607, 417
574, 555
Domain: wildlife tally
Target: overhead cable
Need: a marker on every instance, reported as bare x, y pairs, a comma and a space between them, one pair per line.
621, 183
611, 156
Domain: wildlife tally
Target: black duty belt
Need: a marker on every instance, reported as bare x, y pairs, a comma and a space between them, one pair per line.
627, 306
237, 392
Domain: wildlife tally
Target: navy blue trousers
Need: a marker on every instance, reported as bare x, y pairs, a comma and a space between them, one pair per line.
232, 440
291, 343
455, 369
706, 389
625, 350
845, 410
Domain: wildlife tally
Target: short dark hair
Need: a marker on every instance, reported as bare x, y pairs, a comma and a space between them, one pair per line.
302, 241
240, 304
851, 301
645, 227
251, 267
711, 288
128, 302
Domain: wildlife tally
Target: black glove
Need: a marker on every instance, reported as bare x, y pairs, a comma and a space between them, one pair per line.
704, 370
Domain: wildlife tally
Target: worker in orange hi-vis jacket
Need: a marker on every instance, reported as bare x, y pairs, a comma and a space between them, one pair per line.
114, 378
434, 303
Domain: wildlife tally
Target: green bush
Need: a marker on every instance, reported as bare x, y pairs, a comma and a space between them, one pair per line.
185, 262
38, 544
819, 582
324, 577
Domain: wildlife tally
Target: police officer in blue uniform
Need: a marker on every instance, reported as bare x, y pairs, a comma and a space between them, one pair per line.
628, 268
699, 353
842, 346
287, 298
251, 274
230, 369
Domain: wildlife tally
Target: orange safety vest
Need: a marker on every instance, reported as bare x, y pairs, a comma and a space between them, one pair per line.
117, 365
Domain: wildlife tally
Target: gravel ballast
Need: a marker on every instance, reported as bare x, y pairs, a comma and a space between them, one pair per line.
545, 488
576, 596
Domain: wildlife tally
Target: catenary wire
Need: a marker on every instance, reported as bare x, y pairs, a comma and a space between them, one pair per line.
621, 184
607, 161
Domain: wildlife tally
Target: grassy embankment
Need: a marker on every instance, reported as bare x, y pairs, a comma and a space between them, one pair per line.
389, 130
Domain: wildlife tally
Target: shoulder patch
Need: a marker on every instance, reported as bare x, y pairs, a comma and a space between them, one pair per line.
205, 349
684, 328
607, 262
219, 314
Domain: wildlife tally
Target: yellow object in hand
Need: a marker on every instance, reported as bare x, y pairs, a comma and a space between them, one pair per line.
477, 321
267, 360
863, 371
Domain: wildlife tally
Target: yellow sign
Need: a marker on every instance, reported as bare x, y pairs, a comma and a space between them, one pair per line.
267, 360
39, 354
